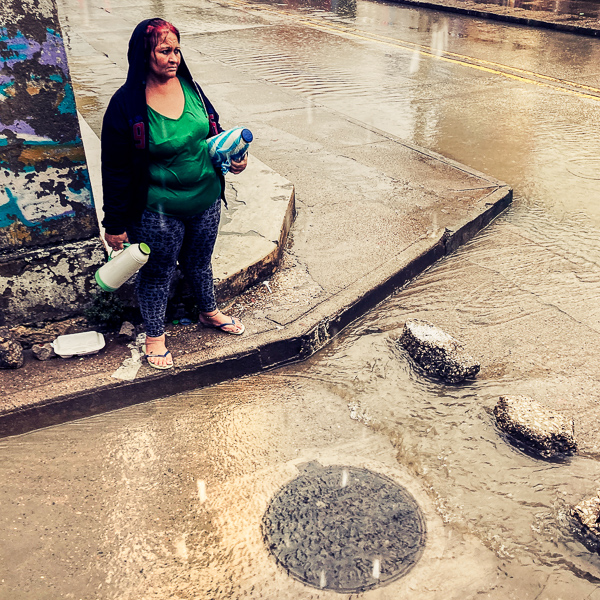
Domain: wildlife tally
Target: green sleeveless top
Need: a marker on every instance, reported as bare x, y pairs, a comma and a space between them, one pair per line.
183, 181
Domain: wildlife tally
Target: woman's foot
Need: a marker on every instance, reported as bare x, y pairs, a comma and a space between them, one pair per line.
217, 320
156, 353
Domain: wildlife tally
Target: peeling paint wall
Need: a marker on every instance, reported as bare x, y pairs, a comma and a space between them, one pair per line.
48, 284
49, 245
45, 193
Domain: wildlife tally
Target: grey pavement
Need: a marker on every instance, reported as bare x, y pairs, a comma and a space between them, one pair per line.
372, 213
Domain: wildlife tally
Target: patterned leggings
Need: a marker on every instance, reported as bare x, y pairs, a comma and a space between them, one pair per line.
189, 240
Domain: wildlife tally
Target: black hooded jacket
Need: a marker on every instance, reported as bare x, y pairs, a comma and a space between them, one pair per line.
125, 144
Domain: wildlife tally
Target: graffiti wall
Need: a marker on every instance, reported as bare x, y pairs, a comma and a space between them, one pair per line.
45, 193
49, 245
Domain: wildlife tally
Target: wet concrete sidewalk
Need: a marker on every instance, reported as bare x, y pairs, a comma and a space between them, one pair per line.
373, 212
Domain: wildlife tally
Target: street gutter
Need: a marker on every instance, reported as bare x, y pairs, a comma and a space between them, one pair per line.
269, 349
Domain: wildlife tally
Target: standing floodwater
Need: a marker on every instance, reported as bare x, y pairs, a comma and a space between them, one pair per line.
167, 499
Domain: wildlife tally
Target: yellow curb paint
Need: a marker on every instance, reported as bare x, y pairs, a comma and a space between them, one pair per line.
528, 77
468, 60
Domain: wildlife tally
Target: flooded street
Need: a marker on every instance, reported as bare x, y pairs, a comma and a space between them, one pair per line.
164, 499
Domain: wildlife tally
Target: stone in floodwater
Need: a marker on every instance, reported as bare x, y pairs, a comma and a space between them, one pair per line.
587, 512
542, 430
437, 352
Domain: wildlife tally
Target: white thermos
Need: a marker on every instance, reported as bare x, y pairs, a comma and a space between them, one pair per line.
112, 275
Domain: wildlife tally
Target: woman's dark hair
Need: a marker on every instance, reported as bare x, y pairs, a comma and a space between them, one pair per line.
156, 31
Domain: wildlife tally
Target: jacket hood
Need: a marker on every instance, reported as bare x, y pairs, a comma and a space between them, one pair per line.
138, 66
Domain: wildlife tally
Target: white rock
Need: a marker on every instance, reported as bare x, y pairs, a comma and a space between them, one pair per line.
437, 352
545, 431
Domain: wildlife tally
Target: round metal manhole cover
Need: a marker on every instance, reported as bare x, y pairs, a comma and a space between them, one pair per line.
344, 529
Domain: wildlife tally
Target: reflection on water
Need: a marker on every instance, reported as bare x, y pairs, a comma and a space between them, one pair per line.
342, 8
588, 8
347, 8
527, 132
166, 499
522, 295
518, 506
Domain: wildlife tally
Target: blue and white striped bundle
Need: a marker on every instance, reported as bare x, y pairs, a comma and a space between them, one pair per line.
229, 145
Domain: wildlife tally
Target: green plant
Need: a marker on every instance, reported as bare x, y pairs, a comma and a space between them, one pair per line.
106, 310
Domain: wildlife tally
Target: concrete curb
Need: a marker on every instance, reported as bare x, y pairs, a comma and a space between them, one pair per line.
503, 17
267, 350
256, 190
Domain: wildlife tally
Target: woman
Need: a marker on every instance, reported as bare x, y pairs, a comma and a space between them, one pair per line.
158, 181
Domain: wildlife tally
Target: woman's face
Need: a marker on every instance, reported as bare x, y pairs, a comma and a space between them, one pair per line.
165, 59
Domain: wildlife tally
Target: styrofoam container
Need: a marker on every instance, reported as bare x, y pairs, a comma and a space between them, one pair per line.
80, 344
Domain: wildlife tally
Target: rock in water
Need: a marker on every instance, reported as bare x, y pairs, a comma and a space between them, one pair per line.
11, 353
544, 431
587, 512
437, 352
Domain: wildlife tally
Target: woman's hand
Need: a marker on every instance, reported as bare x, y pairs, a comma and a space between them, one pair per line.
237, 166
116, 241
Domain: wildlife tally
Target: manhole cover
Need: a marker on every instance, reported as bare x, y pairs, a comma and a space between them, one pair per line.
344, 529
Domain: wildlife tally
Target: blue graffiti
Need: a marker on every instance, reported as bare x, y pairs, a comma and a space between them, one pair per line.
68, 103
6, 83
11, 208
10, 212
19, 200
19, 48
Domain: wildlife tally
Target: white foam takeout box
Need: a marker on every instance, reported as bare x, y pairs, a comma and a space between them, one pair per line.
78, 344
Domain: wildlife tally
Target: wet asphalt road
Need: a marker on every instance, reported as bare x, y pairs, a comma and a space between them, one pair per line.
165, 499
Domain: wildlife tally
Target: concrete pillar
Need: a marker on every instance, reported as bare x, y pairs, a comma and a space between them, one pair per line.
49, 245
